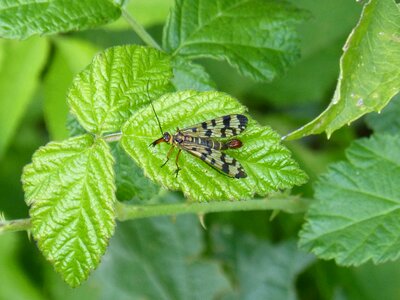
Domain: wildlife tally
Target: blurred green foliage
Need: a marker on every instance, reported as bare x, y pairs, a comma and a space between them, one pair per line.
34, 78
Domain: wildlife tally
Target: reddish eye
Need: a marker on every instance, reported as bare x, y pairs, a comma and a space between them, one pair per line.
234, 144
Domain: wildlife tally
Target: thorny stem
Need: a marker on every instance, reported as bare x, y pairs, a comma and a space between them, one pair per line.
125, 212
140, 31
15, 225
290, 204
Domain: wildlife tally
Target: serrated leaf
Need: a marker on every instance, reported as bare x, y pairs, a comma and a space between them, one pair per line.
21, 19
130, 181
20, 67
388, 121
70, 189
114, 85
191, 76
355, 217
262, 270
255, 36
369, 75
159, 259
267, 163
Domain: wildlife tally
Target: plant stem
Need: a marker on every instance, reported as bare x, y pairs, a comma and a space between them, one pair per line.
290, 204
140, 31
15, 225
125, 212
112, 137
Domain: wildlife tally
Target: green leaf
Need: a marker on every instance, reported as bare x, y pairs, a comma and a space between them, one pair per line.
130, 181
113, 86
355, 217
255, 36
70, 57
261, 270
267, 163
20, 67
369, 75
21, 19
191, 76
70, 188
73, 126
388, 121
159, 259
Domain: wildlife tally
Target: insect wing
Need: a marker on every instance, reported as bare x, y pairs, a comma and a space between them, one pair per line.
216, 159
225, 126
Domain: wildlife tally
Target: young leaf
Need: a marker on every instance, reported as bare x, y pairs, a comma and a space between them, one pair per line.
261, 270
267, 163
370, 70
130, 181
20, 67
191, 76
114, 85
159, 259
21, 19
70, 188
356, 215
255, 36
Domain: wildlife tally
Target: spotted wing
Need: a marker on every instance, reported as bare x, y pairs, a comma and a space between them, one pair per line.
216, 159
225, 126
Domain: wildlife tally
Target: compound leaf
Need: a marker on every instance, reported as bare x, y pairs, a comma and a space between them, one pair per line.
355, 217
114, 85
268, 164
70, 189
369, 70
255, 36
21, 19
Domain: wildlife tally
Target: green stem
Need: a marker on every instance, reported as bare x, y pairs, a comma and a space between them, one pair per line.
290, 204
15, 225
140, 31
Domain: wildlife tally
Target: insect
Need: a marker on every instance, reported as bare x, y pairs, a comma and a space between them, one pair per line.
200, 141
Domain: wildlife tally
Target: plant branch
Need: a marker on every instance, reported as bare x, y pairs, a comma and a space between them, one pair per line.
290, 204
140, 31
15, 225
286, 203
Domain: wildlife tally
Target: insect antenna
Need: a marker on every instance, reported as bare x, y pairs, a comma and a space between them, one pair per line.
151, 103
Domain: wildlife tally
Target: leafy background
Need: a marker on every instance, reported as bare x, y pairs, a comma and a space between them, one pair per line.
241, 255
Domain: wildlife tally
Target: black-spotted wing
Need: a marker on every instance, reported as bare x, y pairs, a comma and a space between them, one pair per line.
221, 127
216, 159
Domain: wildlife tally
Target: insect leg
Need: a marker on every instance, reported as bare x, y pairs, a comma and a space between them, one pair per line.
176, 162
168, 156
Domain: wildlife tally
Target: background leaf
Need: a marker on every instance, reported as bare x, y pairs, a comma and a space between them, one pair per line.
387, 121
105, 94
130, 181
267, 163
21, 19
356, 215
255, 36
70, 188
70, 57
262, 270
191, 76
159, 259
369, 75
20, 67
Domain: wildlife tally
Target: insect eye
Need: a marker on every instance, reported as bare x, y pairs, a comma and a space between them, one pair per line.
166, 136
